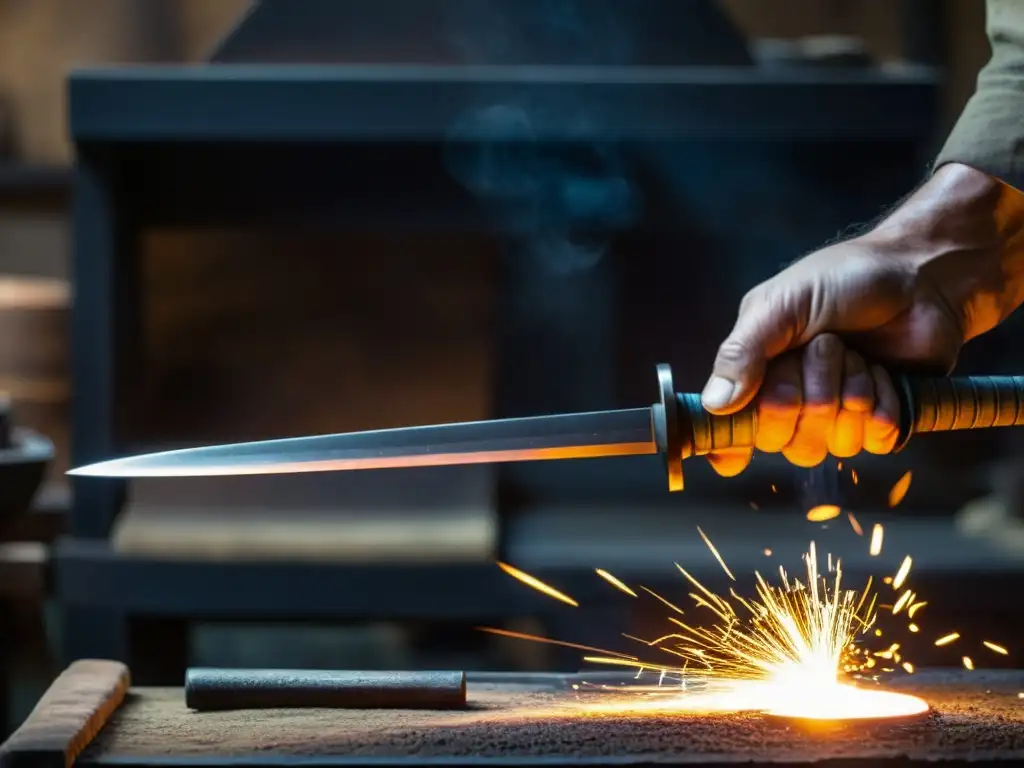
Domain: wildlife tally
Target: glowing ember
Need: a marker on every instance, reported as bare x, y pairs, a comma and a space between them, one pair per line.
855, 524
902, 573
877, 532
947, 639
537, 584
899, 490
823, 512
995, 648
614, 582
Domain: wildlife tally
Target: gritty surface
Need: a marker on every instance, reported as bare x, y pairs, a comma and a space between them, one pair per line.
975, 716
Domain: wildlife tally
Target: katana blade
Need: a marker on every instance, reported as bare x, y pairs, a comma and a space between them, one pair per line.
565, 436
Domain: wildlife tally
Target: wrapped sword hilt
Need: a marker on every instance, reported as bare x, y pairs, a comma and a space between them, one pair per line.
927, 404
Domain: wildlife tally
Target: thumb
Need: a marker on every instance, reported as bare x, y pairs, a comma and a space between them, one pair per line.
763, 330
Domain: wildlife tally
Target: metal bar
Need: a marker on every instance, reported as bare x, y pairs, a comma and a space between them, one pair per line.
211, 689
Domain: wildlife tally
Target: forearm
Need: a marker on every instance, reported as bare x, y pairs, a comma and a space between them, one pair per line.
989, 135
962, 233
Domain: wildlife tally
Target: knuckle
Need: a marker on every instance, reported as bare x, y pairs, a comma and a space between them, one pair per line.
826, 346
733, 351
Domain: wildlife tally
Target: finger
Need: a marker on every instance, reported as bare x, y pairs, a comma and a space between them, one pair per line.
858, 384
856, 402
764, 329
847, 437
881, 429
778, 403
822, 374
731, 461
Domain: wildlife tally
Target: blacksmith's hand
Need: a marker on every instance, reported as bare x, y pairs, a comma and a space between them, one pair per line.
811, 345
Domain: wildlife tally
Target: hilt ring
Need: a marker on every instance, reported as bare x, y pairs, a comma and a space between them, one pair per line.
666, 428
908, 412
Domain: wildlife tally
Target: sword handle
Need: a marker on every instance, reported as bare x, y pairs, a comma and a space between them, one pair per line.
927, 404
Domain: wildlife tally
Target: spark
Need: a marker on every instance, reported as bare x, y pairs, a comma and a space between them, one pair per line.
995, 648
908, 667
823, 512
652, 593
899, 490
854, 476
902, 573
550, 641
915, 608
952, 637
913, 628
855, 524
789, 649
767, 552
968, 664
877, 532
614, 582
537, 584
774, 489
714, 552
798, 633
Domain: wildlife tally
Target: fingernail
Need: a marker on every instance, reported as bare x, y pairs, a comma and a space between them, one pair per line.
718, 392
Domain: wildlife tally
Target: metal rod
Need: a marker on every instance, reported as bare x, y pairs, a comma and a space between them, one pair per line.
211, 689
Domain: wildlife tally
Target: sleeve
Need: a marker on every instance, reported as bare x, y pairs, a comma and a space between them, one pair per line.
989, 135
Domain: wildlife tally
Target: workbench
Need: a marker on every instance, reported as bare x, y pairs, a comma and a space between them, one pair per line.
91, 714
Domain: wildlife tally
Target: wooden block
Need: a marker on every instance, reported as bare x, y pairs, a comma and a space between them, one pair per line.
68, 717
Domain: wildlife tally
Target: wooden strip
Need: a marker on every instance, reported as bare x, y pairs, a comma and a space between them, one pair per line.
68, 716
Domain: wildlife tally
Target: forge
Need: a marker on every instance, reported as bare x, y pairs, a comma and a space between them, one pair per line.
975, 718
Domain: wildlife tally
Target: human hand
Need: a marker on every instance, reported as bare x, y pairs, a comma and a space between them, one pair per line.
943, 268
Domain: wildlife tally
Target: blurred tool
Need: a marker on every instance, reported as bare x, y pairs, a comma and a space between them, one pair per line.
677, 427
24, 457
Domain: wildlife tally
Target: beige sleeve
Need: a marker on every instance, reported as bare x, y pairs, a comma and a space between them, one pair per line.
989, 135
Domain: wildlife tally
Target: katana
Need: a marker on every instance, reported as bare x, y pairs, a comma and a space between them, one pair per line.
676, 427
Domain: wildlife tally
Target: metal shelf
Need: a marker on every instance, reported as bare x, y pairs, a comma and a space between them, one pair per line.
383, 103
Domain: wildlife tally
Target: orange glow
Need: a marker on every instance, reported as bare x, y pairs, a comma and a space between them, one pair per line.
899, 490
830, 702
855, 524
823, 512
947, 639
537, 584
995, 648
968, 664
